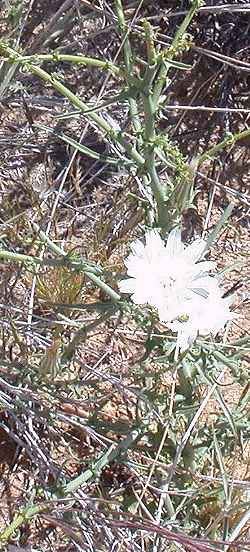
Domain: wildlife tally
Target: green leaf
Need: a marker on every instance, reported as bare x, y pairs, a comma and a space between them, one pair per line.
216, 231
80, 147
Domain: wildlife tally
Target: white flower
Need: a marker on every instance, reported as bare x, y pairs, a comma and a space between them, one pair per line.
143, 267
202, 316
166, 276
172, 279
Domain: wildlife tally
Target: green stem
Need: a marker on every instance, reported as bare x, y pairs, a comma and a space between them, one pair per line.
46, 239
150, 132
150, 135
149, 36
84, 108
87, 269
112, 453
228, 141
82, 60
31, 511
104, 287
80, 147
127, 53
66, 261
161, 80
80, 337
23, 517
20, 258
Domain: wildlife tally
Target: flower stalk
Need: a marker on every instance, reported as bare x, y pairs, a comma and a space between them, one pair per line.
129, 69
165, 66
150, 131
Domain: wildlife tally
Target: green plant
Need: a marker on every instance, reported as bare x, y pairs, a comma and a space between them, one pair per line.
179, 456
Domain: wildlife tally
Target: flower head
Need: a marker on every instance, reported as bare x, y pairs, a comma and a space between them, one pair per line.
164, 276
174, 280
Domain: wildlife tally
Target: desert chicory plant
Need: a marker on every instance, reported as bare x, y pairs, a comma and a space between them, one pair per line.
174, 280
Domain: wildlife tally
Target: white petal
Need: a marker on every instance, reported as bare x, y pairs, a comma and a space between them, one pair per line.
154, 242
186, 334
127, 286
201, 292
205, 266
228, 300
137, 248
193, 252
186, 338
207, 282
145, 293
150, 252
136, 266
174, 245
209, 315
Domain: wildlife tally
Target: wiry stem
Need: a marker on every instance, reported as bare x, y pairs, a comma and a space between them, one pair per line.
230, 140
77, 102
161, 80
65, 261
149, 132
127, 53
81, 60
